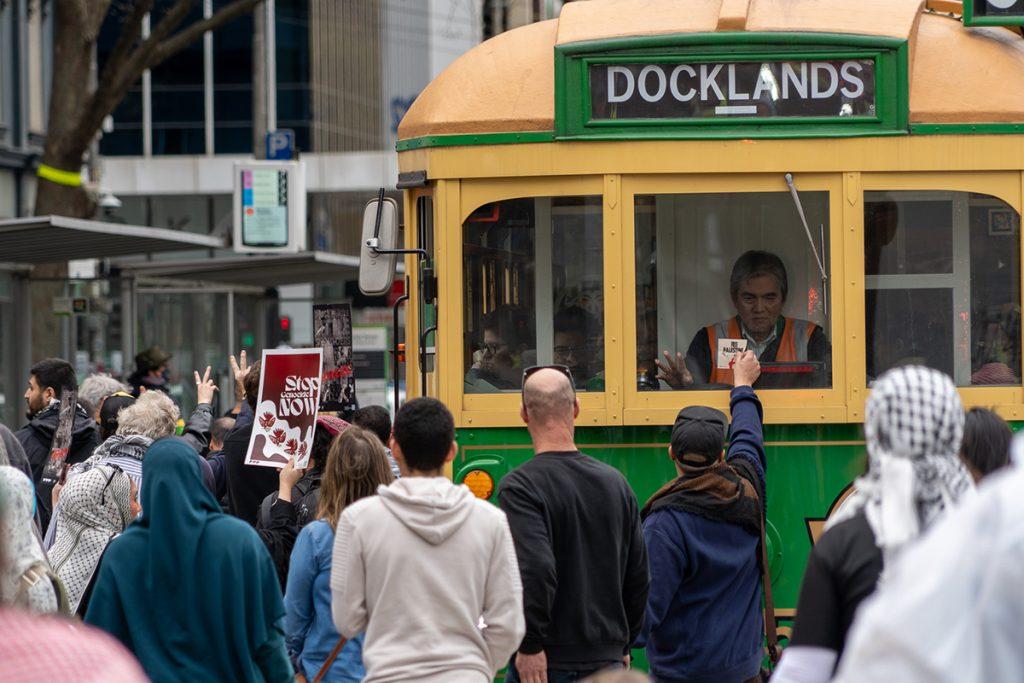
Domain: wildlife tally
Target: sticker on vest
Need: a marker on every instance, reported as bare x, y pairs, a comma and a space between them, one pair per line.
728, 349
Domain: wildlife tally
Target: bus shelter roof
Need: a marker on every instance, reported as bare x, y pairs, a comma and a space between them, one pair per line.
258, 270
50, 239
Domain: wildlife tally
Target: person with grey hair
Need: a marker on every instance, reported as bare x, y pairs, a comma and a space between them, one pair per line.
758, 287
576, 527
94, 389
151, 417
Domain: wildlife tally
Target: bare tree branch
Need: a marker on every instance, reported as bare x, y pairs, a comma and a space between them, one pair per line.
155, 49
186, 36
94, 22
170, 21
131, 29
78, 9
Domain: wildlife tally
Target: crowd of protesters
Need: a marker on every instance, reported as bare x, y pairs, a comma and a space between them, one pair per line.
160, 555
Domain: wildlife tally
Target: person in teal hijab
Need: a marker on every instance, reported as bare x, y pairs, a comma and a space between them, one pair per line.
191, 591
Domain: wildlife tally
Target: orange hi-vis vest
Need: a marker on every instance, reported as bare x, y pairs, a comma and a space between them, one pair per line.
792, 346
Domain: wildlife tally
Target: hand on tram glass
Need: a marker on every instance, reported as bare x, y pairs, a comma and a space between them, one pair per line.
746, 369
673, 371
239, 369
205, 387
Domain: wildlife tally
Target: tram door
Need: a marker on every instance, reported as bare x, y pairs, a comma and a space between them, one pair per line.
421, 309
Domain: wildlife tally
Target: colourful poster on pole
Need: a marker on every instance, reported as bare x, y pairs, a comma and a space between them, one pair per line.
287, 407
332, 332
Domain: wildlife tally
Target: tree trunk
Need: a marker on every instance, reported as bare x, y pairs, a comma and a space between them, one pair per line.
71, 90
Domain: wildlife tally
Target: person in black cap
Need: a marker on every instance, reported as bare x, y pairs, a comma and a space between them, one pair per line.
150, 371
112, 405
703, 619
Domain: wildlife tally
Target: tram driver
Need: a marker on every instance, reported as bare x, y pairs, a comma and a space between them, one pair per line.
758, 287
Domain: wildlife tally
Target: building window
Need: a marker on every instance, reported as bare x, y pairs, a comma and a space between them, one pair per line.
943, 285
178, 104
719, 273
232, 84
533, 291
126, 138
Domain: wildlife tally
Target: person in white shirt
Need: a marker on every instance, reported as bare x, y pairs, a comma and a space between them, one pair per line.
427, 570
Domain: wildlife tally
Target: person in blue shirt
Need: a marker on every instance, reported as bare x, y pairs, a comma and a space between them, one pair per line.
356, 465
703, 621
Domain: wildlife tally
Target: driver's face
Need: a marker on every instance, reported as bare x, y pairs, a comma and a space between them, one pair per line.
759, 304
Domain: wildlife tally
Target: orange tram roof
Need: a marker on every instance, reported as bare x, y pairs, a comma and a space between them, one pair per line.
957, 74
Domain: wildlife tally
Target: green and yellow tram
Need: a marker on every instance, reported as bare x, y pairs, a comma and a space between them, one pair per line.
581, 189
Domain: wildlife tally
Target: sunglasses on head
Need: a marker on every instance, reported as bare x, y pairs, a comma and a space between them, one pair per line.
564, 369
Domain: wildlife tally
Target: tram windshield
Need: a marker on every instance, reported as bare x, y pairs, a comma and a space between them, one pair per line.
943, 285
724, 272
533, 279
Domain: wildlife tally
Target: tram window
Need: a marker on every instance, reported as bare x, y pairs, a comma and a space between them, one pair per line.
533, 291
730, 270
943, 285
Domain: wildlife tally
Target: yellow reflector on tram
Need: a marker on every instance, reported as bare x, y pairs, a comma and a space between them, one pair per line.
480, 483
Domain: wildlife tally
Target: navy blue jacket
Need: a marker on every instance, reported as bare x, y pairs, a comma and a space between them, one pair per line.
703, 621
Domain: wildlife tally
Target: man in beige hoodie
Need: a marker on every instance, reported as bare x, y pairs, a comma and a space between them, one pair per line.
427, 570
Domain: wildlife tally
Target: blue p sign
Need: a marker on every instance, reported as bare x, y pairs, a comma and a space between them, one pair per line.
281, 145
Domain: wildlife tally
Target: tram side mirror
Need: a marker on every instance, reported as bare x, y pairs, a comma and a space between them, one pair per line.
380, 235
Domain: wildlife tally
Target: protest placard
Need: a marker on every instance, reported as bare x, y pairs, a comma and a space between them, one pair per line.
332, 332
286, 409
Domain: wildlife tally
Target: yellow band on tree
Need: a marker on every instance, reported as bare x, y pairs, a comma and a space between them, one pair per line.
55, 175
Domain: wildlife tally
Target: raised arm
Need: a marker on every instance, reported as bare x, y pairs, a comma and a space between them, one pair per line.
746, 436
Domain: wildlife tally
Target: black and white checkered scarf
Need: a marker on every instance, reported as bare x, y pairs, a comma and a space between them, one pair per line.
913, 424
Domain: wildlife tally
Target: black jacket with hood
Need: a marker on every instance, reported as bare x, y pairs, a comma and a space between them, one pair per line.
37, 436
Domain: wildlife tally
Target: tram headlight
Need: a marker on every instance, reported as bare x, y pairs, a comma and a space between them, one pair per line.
481, 483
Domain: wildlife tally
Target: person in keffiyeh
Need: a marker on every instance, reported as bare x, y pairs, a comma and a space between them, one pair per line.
913, 426
95, 507
25, 581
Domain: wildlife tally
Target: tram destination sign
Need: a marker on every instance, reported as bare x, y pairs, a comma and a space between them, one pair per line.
732, 85
706, 90
993, 12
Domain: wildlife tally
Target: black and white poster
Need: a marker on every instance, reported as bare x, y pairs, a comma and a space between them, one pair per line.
332, 332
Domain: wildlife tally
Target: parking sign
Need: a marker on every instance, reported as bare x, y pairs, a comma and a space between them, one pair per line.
281, 145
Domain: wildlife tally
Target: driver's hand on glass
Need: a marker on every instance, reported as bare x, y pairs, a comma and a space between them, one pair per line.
673, 371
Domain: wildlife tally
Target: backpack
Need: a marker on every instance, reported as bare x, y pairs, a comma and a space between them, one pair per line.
39, 571
305, 498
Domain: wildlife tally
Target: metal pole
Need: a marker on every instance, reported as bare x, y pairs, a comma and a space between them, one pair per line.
129, 320
147, 100
270, 31
208, 80
231, 333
